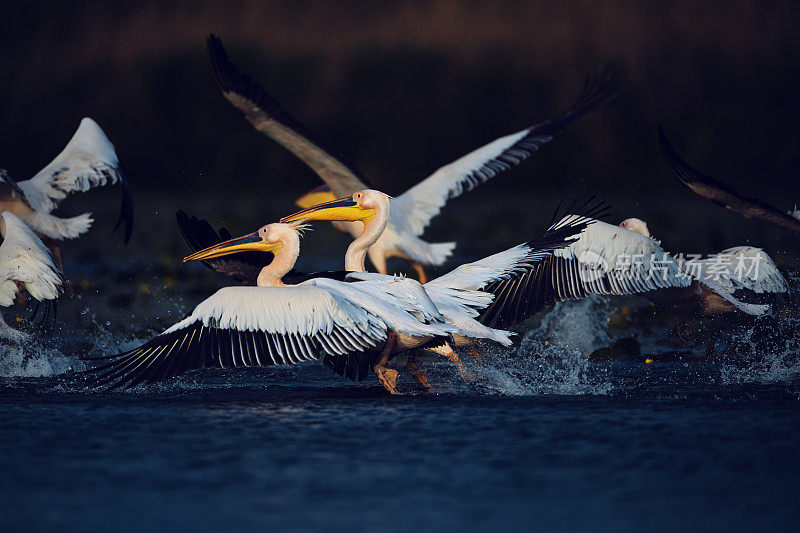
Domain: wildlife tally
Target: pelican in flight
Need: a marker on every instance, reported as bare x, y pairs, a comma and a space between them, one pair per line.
24, 263
413, 210
600, 259
88, 161
721, 194
273, 323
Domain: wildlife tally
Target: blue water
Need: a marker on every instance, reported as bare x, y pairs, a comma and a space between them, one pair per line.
298, 450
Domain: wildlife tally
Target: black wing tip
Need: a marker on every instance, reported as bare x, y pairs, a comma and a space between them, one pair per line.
679, 168
598, 89
226, 75
231, 80
582, 210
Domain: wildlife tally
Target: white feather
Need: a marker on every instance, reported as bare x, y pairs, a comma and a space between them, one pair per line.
476, 275
439, 302
88, 161
743, 267
606, 259
414, 209
312, 308
58, 228
25, 259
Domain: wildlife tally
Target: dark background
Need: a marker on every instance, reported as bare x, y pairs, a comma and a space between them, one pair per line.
401, 88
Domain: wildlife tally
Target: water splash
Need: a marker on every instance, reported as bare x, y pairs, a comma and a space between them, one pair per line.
552, 358
775, 365
35, 359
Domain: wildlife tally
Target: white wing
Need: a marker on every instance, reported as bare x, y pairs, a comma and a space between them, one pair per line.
434, 304
475, 275
399, 292
88, 161
24, 259
741, 267
251, 326
413, 210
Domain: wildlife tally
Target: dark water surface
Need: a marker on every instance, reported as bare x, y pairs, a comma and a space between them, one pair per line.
295, 450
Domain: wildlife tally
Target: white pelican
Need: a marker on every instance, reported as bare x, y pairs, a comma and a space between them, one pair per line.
88, 161
274, 323
413, 210
602, 259
723, 195
24, 261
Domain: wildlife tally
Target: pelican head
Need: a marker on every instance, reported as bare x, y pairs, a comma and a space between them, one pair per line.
635, 224
269, 238
315, 196
361, 205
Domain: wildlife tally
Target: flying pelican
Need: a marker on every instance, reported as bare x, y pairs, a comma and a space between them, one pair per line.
413, 210
721, 194
600, 259
24, 262
274, 323
88, 161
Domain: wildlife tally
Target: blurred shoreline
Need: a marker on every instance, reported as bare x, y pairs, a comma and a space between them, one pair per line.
401, 88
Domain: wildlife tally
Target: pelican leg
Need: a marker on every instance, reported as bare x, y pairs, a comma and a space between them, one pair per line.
421, 276
387, 376
447, 351
418, 374
57, 253
70, 289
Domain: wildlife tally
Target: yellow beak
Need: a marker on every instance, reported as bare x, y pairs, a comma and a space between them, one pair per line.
345, 209
315, 196
249, 243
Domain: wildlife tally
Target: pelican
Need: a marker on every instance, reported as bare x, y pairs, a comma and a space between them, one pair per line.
721, 194
599, 259
24, 262
88, 161
273, 323
413, 210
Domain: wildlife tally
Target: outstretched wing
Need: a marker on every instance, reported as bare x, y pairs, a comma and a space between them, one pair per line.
250, 326
88, 161
267, 116
414, 209
721, 194
24, 259
604, 259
